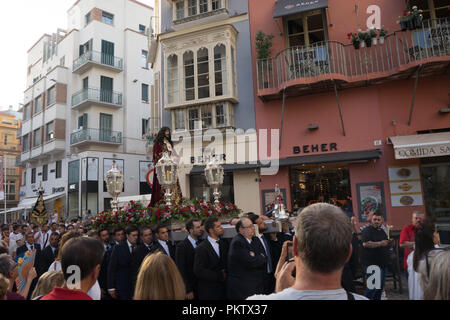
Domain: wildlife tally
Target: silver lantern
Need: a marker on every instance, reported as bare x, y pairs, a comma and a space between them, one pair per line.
114, 184
166, 171
214, 177
279, 210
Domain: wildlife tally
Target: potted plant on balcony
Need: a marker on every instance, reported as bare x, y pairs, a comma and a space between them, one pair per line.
354, 38
382, 33
373, 36
404, 20
263, 45
417, 17
362, 36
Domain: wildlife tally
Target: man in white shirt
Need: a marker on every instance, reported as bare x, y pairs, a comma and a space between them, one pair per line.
321, 247
44, 239
162, 241
15, 240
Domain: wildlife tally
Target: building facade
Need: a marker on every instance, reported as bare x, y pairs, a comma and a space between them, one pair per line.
87, 105
367, 128
201, 55
10, 124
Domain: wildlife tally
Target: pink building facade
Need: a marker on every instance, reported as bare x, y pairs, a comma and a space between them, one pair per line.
369, 124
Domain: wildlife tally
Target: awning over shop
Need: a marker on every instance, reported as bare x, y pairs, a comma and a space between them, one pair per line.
54, 196
230, 167
421, 145
288, 7
28, 203
353, 156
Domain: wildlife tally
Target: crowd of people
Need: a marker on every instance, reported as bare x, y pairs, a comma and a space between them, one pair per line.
313, 259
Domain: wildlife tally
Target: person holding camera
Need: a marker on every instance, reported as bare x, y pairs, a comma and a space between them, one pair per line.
375, 253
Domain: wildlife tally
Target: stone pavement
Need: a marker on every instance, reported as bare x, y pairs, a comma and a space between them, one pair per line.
391, 293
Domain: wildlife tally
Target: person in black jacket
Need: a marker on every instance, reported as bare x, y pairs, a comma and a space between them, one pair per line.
142, 250
210, 262
162, 242
119, 268
245, 263
185, 257
103, 235
49, 253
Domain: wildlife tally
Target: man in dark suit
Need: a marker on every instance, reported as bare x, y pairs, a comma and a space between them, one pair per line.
103, 235
142, 250
245, 263
162, 242
185, 257
210, 262
261, 244
30, 246
119, 267
49, 253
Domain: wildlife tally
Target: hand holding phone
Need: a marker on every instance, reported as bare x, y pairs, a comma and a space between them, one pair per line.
290, 253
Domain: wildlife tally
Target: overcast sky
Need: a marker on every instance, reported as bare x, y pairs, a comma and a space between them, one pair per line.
22, 23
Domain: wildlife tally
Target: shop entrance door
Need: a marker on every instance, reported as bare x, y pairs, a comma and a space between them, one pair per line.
436, 189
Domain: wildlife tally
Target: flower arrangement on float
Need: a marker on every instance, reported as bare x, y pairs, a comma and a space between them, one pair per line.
134, 213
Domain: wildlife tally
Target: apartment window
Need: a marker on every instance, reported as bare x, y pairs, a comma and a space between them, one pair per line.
107, 17
233, 72
215, 5
6, 139
45, 172
86, 47
144, 59
50, 128
144, 126
189, 78
87, 19
26, 112
37, 137
33, 175
142, 28
24, 180
62, 61
220, 70
179, 5
144, 92
58, 169
206, 117
220, 115
38, 104
51, 96
179, 120
25, 145
192, 7
172, 79
194, 117
10, 190
306, 29
203, 6
203, 73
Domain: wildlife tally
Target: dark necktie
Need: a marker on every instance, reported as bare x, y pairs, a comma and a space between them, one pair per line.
197, 243
32, 247
269, 258
132, 248
46, 239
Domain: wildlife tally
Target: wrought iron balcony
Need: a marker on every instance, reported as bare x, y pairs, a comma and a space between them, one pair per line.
316, 68
88, 96
91, 58
96, 136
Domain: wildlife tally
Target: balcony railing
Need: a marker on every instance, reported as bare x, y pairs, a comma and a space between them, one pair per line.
100, 58
331, 60
97, 95
96, 135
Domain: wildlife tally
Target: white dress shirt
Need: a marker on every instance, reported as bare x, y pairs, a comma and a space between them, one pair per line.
215, 245
193, 242
130, 246
165, 246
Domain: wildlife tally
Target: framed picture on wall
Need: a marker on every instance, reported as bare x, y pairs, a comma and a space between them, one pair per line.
268, 197
370, 198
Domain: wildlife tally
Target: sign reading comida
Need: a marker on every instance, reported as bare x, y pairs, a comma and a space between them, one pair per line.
422, 145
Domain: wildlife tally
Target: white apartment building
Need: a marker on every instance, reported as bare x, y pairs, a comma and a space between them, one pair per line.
87, 104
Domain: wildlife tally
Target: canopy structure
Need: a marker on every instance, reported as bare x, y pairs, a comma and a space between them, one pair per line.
288, 7
421, 145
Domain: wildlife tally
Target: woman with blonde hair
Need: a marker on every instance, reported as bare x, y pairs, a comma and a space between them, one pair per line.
47, 282
4, 285
159, 279
439, 283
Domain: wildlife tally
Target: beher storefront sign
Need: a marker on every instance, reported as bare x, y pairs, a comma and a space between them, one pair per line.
438, 150
324, 147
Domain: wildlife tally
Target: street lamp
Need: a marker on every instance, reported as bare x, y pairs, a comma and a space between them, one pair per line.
214, 177
114, 184
166, 171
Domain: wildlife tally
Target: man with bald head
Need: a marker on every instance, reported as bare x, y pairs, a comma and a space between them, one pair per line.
244, 263
407, 238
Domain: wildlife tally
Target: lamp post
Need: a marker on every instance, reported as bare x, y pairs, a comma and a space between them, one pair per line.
114, 184
166, 171
214, 177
